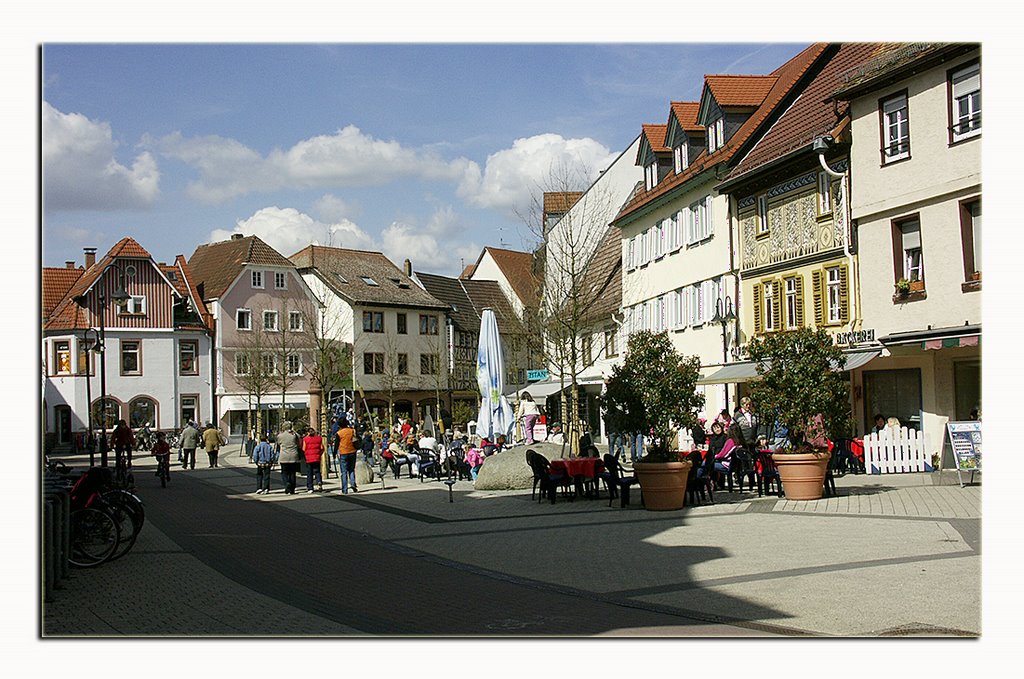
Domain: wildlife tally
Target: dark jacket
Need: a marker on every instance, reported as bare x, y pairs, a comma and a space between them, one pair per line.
715, 443
751, 431
700, 437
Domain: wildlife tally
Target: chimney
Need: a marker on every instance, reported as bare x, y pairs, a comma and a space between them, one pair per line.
236, 236
70, 264
90, 257
408, 267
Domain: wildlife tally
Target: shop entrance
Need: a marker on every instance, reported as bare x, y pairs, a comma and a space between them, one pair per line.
893, 393
966, 388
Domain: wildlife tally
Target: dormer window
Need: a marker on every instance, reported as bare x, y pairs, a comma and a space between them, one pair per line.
651, 175
369, 281
681, 156
716, 135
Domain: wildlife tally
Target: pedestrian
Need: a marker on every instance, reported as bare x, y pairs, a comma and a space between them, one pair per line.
289, 455
724, 419
123, 441
212, 441
313, 450
346, 456
529, 413
636, 446
162, 452
264, 456
332, 445
190, 437
367, 447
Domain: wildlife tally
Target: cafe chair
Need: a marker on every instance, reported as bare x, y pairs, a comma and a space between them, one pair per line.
617, 483
548, 482
430, 466
698, 485
767, 473
743, 468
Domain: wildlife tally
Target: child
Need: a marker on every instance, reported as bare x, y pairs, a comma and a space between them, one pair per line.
162, 453
264, 456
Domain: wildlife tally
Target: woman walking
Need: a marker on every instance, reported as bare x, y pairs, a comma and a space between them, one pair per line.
264, 456
346, 456
313, 450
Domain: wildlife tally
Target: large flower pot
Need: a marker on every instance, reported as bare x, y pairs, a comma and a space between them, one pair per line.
663, 483
802, 474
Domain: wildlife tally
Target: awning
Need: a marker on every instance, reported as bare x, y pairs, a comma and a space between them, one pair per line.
270, 402
747, 370
545, 388
959, 336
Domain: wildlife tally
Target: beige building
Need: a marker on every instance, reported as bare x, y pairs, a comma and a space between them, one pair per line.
915, 168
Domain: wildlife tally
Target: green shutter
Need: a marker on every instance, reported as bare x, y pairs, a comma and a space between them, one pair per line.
799, 301
818, 290
844, 296
777, 306
758, 305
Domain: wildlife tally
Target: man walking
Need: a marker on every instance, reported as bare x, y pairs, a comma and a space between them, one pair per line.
212, 441
264, 456
190, 436
289, 455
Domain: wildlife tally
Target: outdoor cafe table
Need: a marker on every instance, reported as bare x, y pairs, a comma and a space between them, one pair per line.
579, 468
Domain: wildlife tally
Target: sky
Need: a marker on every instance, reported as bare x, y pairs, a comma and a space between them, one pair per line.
425, 151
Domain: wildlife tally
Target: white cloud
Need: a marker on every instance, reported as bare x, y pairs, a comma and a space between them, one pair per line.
347, 158
81, 172
532, 165
436, 247
331, 208
287, 230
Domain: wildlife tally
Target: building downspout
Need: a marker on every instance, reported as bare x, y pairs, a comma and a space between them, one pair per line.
822, 144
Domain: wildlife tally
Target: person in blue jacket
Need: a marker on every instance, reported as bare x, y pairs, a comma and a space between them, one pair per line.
264, 456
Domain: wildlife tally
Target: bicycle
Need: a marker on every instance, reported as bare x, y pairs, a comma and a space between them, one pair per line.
163, 469
95, 488
95, 533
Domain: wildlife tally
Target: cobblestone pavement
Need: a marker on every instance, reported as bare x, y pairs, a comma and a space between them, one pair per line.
403, 561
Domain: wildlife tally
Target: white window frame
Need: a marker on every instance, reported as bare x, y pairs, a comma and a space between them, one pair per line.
716, 135
280, 280
790, 293
56, 357
913, 255
134, 306
681, 156
292, 325
720, 131
762, 214
651, 174
294, 364
833, 296
274, 327
256, 278
824, 193
895, 128
631, 256
241, 363
248, 316
679, 227
269, 363
768, 295
965, 88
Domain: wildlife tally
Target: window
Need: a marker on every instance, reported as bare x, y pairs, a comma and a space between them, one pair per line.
428, 364
373, 321
651, 175
716, 135
369, 281
189, 408
680, 307
294, 362
131, 357
824, 194
373, 364
762, 215
295, 321
699, 226
770, 307
243, 319
907, 247
270, 321
62, 357
106, 413
188, 357
835, 294
402, 327
588, 350
428, 324
257, 279
970, 235
610, 347
679, 230
965, 107
895, 129
681, 157
241, 364
134, 306
142, 411
659, 241
631, 256
280, 280
791, 318
403, 364
269, 364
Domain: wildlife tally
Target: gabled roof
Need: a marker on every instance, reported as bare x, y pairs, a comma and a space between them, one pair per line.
468, 271
787, 77
810, 116
559, 202
344, 271
468, 298
739, 91
183, 283
56, 283
604, 275
685, 113
654, 136
215, 266
518, 269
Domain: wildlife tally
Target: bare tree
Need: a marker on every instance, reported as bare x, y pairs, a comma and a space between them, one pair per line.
330, 358
392, 370
253, 371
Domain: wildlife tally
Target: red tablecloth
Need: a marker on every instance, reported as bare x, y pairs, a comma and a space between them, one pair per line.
578, 466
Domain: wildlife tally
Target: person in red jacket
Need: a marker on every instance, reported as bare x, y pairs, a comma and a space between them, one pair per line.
313, 449
123, 441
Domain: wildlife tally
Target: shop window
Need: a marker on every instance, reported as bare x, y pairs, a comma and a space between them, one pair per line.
893, 393
142, 412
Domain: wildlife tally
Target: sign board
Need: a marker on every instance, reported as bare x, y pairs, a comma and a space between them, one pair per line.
965, 445
534, 375
855, 336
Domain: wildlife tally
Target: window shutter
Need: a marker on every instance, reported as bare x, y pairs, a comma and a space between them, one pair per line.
818, 290
708, 226
777, 306
688, 218
799, 301
679, 229
672, 309
844, 296
758, 309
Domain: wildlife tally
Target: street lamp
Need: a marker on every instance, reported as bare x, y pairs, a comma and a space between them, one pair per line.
119, 297
724, 314
90, 346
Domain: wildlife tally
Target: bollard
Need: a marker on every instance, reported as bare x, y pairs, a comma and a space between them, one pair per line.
450, 483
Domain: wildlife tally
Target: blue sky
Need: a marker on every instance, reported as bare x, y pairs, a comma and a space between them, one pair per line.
427, 151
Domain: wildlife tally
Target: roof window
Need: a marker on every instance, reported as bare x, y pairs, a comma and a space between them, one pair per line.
369, 281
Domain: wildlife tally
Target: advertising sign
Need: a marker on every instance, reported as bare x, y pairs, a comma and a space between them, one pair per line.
965, 441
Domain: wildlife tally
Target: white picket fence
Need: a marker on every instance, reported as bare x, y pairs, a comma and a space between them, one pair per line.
893, 452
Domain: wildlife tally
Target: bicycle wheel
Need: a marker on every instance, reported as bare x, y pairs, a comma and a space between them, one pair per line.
121, 496
128, 524
94, 537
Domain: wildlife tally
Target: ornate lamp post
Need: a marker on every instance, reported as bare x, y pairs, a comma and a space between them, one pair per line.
94, 347
725, 314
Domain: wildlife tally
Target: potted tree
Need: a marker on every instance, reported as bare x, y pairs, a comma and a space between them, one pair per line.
801, 387
654, 391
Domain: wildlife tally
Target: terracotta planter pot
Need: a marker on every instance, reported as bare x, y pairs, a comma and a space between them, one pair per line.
663, 484
916, 286
802, 474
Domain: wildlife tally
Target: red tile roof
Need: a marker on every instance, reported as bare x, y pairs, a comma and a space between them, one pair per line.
787, 76
685, 113
56, 283
740, 90
215, 266
518, 269
468, 271
560, 201
655, 135
811, 115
